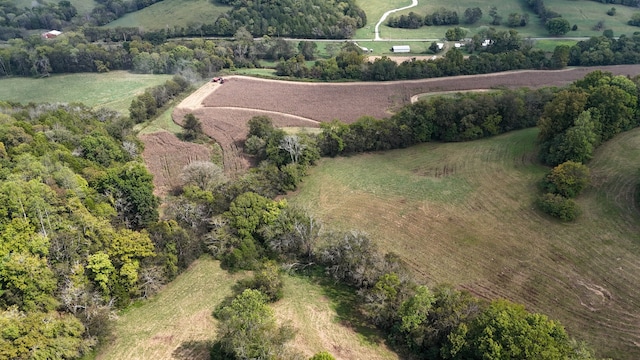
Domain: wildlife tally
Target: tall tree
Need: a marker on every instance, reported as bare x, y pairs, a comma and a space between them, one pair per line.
248, 329
507, 331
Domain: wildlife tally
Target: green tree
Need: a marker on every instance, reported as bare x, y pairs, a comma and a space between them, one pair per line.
248, 328
413, 315
192, 128
129, 188
579, 141
472, 15
267, 280
250, 211
101, 269
40, 335
507, 331
561, 112
27, 281
558, 26
567, 179
383, 300
560, 57
558, 206
308, 49
455, 34
102, 149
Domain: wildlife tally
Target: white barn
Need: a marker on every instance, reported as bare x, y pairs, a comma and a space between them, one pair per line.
401, 49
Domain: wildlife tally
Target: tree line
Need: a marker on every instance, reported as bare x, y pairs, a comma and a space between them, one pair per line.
578, 119
414, 20
75, 53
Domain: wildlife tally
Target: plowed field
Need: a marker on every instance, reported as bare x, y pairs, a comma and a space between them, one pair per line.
225, 109
165, 155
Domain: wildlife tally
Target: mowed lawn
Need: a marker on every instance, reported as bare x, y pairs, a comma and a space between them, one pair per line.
584, 13
463, 213
178, 324
113, 90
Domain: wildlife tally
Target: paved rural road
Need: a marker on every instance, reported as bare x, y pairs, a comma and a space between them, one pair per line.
384, 17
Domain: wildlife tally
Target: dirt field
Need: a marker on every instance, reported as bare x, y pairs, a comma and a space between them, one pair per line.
225, 109
165, 155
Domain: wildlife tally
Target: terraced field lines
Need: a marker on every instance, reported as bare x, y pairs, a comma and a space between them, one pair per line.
475, 226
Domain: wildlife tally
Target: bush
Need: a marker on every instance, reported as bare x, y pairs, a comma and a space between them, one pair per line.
558, 206
323, 355
567, 179
267, 280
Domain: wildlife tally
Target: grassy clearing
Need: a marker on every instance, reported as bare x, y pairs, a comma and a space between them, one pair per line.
177, 323
463, 214
384, 47
162, 122
550, 45
171, 13
584, 13
114, 89
324, 318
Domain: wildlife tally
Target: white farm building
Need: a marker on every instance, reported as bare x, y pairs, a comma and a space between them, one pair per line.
401, 49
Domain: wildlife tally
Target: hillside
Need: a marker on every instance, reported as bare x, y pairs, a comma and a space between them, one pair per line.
462, 214
177, 323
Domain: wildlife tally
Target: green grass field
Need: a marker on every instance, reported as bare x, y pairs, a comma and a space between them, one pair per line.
463, 213
114, 89
584, 13
171, 13
177, 323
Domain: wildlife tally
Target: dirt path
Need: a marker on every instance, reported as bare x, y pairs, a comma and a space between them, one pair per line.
414, 3
194, 101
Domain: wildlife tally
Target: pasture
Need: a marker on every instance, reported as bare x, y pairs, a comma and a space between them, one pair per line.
462, 213
584, 13
113, 90
177, 323
172, 13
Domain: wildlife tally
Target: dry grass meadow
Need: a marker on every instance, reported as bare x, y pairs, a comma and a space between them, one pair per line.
177, 323
463, 214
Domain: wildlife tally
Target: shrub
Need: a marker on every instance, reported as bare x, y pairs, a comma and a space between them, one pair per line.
567, 179
267, 280
323, 355
558, 206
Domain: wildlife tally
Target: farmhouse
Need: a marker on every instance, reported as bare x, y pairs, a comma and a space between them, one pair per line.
401, 49
51, 34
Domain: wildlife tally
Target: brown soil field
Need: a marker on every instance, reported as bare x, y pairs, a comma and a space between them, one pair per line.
224, 109
165, 155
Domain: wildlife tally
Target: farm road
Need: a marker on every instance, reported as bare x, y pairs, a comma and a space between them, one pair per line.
386, 14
